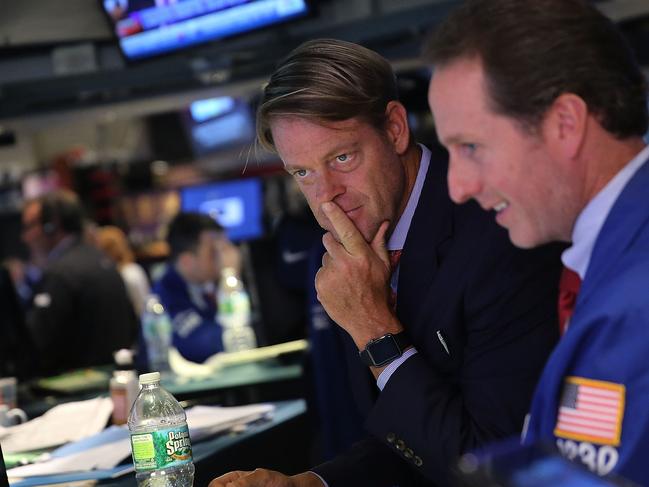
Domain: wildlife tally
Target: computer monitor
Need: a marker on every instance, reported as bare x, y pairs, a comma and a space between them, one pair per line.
147, 28
217, 124
202, 128
237, 205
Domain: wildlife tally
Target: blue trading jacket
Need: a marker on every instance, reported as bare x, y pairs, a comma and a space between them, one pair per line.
196, 333
593, 397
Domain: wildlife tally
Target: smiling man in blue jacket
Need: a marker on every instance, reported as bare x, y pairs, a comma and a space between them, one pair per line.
543, 109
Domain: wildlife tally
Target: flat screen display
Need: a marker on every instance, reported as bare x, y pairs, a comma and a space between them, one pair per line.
219, 123
147, 28
237, 205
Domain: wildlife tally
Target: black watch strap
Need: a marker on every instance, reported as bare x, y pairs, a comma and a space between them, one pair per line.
383, 350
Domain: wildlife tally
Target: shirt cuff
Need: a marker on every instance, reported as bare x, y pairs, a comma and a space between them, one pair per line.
384, 376
325, 484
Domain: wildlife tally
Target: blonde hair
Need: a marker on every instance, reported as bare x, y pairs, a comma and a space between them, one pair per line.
112, 241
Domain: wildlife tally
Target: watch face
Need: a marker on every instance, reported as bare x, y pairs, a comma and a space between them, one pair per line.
383, 350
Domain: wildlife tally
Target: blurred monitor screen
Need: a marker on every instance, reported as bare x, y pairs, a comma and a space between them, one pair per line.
237, 205
147, 28
219, 123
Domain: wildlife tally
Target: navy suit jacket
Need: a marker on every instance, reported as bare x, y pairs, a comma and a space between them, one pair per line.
81, 312
463, 283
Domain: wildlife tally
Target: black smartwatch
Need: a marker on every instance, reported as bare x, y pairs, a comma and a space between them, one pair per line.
383, 350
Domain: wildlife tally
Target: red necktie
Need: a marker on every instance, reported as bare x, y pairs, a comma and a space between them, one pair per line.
395, 256
568, 290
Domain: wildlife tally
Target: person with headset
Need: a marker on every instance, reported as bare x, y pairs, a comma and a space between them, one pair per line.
80, 311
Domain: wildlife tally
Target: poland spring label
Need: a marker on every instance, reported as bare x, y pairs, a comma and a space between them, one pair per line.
161, 449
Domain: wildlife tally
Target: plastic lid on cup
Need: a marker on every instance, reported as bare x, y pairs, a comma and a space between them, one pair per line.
150, 378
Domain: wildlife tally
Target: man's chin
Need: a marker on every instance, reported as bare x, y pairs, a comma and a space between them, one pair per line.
524, 240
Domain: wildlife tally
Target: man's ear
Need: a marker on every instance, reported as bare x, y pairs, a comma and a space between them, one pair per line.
397, 126
565, 125
184, 263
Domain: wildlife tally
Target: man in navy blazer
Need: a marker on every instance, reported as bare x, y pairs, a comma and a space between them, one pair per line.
543, 109
475, 318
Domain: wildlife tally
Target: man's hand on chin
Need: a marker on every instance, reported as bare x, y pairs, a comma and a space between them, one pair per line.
266, 478
353, 282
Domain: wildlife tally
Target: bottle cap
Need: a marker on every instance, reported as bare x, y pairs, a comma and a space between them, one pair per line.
123, 357
150, 378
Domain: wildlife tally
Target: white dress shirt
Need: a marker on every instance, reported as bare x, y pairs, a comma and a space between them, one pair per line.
592, 217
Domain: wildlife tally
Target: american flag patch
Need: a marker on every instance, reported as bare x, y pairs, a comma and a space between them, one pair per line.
591, 410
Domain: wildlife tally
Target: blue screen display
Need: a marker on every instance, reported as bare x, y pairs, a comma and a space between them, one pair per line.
237, 205
147, 28
232, 129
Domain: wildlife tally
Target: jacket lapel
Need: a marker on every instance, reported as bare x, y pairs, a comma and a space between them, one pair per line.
431, 225
625, 220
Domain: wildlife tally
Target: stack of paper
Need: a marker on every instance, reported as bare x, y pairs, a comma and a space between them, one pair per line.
104, 450
4, 431
108, 448
205, 421
62, 424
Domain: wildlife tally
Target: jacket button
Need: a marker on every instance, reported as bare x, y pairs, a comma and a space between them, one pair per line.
418, 461
391, 437
400, 445
408, 453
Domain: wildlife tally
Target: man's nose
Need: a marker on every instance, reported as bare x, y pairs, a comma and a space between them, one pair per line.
328, 187
463, 181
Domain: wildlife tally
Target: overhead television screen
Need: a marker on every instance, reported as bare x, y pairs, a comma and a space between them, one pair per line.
147, 28
237, 205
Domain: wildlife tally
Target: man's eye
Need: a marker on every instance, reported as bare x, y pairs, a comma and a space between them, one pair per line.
300, 173
342, 158
469, 148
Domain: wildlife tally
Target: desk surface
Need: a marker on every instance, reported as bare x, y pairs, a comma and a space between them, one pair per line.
234, 376
212, 457
262, 381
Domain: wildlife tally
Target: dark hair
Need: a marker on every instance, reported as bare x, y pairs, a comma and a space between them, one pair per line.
327, 80
532, 52
60, 210
185, 231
